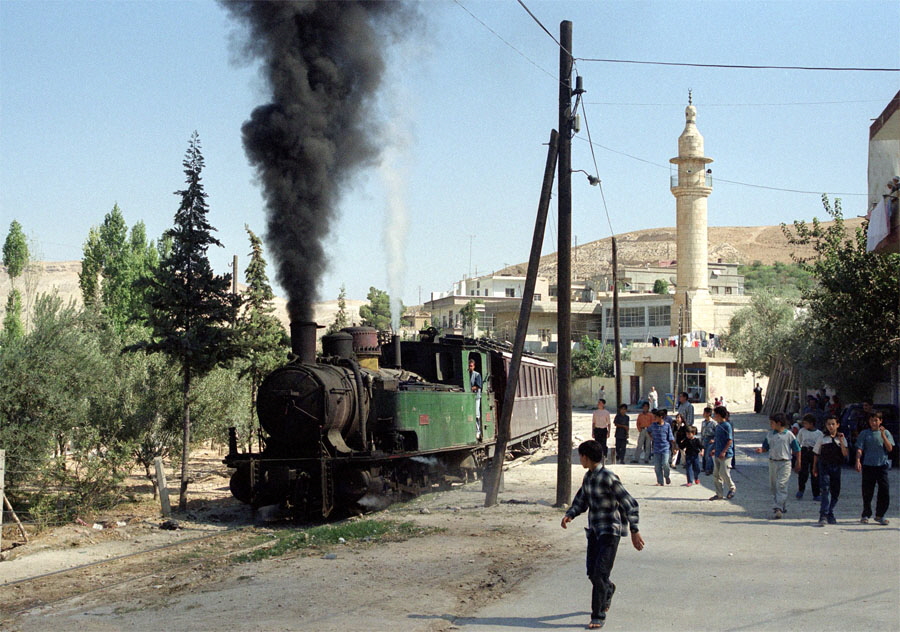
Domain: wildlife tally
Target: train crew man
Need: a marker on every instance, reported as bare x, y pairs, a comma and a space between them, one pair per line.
475, 384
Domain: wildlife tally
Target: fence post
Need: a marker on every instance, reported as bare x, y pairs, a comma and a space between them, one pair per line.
163, 487
2, 491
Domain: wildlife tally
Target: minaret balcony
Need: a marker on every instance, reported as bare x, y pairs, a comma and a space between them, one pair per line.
691, 181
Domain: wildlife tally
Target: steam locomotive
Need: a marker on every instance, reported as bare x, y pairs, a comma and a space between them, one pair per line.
367, 424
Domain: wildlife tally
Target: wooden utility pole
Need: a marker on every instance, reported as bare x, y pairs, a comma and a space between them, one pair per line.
564, 270
616, 340
512, 377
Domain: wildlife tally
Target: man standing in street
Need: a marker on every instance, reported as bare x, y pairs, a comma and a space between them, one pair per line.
644, 447
653, 398
686, 409
601, 425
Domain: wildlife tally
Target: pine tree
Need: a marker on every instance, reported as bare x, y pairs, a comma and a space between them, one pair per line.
13, 329
15, 251
191, 309
263, 339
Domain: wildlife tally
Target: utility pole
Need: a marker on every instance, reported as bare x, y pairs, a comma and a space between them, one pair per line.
564, 270
618, 356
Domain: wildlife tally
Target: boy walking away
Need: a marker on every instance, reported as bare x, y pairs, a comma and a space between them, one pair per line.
781, 444
663, 444
644, 443
723, 448
807, 437
829, 454
621, 422
707, 438
612, 513
873, 449
601, 425
691, 446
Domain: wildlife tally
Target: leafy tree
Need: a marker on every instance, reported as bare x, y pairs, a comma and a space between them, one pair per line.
469, 314
761, 333
191, 309
593, 358
660, 286
377, 313
852, 320
340, 320
112, 262
12, 321
15, 251
264, 341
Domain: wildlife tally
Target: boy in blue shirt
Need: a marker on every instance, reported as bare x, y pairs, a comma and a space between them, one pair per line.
612, 513
782, 446
873, 449
723, 448
663, 440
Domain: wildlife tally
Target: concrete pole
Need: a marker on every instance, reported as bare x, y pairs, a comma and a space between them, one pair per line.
512, 379
564, 270
163, 487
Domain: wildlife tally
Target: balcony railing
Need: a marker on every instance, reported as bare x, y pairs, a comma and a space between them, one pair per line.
673, 180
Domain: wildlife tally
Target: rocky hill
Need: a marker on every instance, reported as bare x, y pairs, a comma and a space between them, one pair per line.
731, 244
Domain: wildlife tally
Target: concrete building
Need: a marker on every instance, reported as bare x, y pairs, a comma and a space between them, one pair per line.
884, 185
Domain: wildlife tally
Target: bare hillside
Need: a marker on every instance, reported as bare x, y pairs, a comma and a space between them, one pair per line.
731, 244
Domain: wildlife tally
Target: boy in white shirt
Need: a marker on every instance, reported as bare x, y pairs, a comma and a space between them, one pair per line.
807, 437
781, 444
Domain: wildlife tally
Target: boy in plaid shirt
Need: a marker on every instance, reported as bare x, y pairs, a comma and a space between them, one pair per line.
612, 513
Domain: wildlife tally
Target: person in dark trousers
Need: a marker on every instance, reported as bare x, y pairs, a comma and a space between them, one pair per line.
691, 446
757, 398
612, 513
807, 437
873, 449
829, 454
621, 422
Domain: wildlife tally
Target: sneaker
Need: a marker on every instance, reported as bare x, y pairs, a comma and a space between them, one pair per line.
689, 484
668, 481
822, 521
831, 519
716, 497
882, 520
864, 520
730, 494
697, 482
799, 495
817, 498
776, 514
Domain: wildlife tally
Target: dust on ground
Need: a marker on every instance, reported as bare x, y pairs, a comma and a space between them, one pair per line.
188, 578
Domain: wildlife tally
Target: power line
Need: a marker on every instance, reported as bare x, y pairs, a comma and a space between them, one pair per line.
734, 105
498, 36
737, 66
544, 28
587, 128
746, 184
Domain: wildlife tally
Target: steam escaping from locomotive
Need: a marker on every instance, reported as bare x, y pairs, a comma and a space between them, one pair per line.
395, 230
323, 62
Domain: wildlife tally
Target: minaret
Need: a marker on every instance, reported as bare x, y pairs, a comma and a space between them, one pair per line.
691, 187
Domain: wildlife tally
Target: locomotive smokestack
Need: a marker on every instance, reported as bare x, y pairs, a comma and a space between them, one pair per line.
303, 341
395, 342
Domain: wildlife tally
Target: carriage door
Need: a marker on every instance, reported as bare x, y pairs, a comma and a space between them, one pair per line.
485, 405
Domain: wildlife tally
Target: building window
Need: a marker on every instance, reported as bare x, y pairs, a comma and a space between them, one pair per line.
545, 335
511, 292
734, 371
631, 317
728, 290
477, 283
659, 315
537, 297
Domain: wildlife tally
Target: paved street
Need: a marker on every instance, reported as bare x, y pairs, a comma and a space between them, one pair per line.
722, 565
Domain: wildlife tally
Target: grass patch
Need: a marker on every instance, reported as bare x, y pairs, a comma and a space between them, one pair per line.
287, 540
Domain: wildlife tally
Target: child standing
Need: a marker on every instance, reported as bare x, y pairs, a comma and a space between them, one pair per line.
621, 422
601, 424
663, 444
873, 449
807, 437
781, 445
612, 513
707, 438
691, 446
829, 454
678, 427
723, 449
644, 444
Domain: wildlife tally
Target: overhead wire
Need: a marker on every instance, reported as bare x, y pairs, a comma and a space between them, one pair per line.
587, 128
500, 37
738, 66
735, 105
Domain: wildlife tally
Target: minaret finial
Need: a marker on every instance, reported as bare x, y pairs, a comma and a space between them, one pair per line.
690, 97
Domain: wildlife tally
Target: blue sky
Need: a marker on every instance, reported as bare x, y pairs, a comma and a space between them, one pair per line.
98, 101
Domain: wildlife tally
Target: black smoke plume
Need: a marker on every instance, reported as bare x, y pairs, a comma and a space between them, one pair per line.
323, 62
